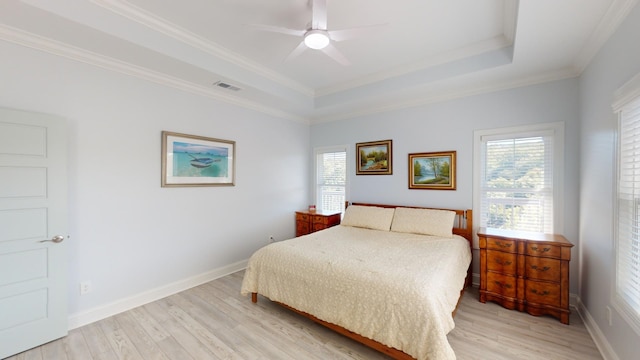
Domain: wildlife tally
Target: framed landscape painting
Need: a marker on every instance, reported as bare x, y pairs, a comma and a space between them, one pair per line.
374, 158
432, 170
191, 160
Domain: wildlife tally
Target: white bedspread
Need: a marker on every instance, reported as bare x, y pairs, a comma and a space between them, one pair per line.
396, 288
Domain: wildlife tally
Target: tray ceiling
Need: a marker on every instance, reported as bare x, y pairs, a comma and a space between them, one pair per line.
421, 51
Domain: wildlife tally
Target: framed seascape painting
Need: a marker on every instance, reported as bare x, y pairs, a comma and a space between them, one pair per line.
433, 170
374, 158
190, 160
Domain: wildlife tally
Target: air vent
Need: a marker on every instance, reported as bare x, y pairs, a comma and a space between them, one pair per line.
227, 86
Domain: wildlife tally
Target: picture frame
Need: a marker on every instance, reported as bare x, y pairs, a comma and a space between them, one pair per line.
192, 160
432, 170
374, 158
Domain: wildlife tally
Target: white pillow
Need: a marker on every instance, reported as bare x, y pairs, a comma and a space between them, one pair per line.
370, 217
424, 221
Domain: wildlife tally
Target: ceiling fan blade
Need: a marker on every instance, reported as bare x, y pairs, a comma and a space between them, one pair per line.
319, 15
278, 29
348, 34
296, 52
336, 55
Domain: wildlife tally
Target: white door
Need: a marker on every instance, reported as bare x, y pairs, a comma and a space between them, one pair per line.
33, 209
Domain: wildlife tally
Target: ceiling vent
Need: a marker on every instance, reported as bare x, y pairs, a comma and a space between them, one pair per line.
227, 86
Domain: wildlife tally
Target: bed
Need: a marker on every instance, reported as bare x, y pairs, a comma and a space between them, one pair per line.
388, 276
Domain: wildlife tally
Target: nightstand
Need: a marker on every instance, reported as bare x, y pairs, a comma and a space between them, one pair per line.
525, 271
308, 222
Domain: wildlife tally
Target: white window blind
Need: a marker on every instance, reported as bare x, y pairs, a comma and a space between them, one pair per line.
331, 179
516, 187
628, 210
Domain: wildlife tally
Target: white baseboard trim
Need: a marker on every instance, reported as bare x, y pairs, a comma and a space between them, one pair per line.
475, 280
101, 312
598, 337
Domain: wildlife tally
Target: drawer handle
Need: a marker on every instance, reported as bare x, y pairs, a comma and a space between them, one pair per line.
541, 293
504, 286
535, 267
504, 245
535, 248
500, 262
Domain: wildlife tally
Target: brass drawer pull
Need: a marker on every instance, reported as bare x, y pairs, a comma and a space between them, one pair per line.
535, 248
542, 293
504, 245
500, 262
504, 286
535, 267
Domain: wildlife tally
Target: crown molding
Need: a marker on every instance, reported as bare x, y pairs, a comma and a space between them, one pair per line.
615, 15
422, 99
626, 94
504, 40
154, 22
30, 40
496, 43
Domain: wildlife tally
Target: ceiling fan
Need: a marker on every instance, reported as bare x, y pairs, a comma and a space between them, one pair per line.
317, 36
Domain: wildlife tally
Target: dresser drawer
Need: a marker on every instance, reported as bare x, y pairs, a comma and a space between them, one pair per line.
302, 228
308, 222
546, 250
319, 219
501, 262
502, 245
542, 293
542, 268
501, 284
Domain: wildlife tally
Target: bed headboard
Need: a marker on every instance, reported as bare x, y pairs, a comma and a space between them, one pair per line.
462, 225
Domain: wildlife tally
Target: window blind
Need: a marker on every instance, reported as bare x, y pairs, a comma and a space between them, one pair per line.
516, 189
628, 207
331, 180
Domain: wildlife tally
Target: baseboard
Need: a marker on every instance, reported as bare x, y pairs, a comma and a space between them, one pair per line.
596, 334
101, 312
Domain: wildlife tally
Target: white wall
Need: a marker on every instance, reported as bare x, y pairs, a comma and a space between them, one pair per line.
617, 62
450, 126
129, 235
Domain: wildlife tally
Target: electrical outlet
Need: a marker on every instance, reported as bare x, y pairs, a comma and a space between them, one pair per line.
609, 318
85, 287
271, 239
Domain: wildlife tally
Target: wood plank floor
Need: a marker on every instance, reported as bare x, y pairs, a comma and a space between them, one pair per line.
213, 321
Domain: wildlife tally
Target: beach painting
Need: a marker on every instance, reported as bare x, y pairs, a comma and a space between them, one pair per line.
432, 170
190, 160
374, 158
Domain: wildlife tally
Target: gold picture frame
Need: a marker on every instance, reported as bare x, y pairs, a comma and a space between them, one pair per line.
432, 170
374, 158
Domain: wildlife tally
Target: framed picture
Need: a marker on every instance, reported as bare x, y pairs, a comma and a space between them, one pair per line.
190, 160
374, 158
432, 170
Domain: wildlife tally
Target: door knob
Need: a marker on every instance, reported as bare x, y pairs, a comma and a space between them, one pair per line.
56, 239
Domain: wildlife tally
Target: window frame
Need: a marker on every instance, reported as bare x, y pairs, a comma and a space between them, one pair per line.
323, 150
557, 128
625, 97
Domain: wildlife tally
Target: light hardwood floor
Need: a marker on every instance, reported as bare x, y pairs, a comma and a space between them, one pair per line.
213, 321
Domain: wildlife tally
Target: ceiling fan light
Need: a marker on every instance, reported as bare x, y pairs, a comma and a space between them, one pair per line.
316, 39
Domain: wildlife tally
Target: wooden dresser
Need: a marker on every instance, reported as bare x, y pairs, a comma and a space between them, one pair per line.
312, 221
525, 271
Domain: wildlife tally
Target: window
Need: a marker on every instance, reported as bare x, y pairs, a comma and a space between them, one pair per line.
626, 294
519, 177
331, 178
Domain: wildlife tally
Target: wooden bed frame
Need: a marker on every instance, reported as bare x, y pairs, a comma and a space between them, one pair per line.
462, 226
